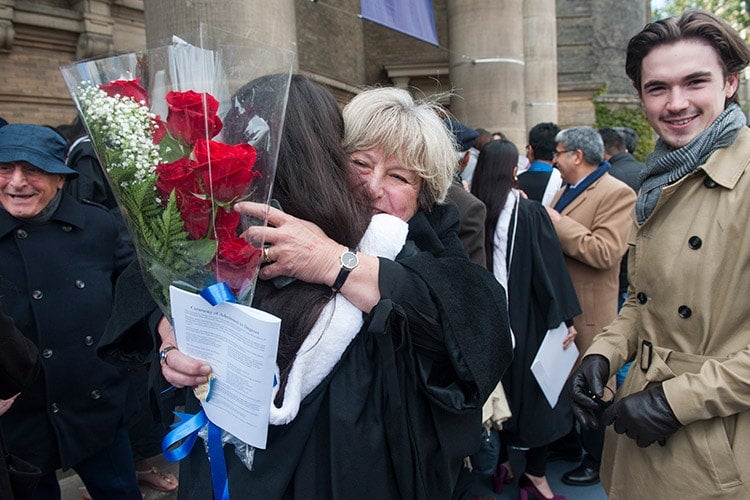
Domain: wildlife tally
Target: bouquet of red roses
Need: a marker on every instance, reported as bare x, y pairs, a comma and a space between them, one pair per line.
156, 120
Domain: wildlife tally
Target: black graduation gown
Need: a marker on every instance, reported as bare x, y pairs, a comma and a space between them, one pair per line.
402, 408
541, 296
534, 184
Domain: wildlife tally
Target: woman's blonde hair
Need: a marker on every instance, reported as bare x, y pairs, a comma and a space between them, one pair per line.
413, 132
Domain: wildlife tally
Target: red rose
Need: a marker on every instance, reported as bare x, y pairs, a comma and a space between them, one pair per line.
192, 115
127, 88
197, 214
226, 170
226, 223
235, 262
180, 176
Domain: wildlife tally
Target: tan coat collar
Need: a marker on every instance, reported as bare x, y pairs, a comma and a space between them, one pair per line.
727, 165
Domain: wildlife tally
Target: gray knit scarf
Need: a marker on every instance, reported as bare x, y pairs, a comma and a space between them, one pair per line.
665, 166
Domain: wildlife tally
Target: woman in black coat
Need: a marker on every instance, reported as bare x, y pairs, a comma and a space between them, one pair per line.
399, 406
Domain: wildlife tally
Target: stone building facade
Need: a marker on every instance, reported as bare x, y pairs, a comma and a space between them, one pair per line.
508, 63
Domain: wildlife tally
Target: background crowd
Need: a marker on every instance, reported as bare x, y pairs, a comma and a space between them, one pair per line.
466, 256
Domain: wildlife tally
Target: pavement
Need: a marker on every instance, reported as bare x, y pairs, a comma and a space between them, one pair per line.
71, 485
555, 470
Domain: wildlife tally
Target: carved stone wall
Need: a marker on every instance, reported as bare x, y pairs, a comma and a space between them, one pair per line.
334, 46
37, 37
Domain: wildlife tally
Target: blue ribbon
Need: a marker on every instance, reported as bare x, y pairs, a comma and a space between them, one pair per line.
189, 425
187, 428
218, 465
218, 293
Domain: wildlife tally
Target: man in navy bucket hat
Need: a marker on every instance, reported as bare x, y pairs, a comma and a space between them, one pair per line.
61, 258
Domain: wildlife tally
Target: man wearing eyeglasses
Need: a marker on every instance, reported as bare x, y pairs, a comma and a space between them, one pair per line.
59, 262
591, 216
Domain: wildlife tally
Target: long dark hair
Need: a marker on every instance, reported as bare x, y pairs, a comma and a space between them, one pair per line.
311, 183
491, 183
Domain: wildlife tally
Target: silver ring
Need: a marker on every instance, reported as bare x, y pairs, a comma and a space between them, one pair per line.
163, 353
266, 257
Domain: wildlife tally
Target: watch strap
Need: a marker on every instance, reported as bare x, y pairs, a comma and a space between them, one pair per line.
343, 274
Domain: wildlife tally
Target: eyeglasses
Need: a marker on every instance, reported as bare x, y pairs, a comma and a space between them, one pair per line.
7, 170
558, 153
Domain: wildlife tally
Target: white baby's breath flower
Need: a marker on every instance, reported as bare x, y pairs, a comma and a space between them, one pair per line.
124, 127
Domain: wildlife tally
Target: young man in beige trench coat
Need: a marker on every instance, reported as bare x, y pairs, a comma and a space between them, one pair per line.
680, 424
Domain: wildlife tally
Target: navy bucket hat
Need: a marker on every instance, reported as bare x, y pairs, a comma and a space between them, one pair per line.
41, 146
464, 135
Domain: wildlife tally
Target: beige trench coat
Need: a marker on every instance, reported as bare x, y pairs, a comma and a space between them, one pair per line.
687, 323
593, 234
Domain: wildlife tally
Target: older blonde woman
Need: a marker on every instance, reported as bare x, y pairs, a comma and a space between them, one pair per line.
390, 401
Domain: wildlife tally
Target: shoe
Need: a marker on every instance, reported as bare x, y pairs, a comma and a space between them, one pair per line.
583, 475
555, 456
157, 480
526, 488
501, 477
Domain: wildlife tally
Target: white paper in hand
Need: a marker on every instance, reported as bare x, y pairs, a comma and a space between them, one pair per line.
240, 344
553, 364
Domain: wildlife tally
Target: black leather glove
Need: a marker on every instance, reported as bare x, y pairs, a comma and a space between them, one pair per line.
644, 416
587, 389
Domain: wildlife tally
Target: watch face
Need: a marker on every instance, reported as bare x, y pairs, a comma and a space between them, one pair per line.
349, 260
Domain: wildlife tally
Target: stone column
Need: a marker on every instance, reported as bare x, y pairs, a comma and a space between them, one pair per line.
540, 55
487, 65
274, 26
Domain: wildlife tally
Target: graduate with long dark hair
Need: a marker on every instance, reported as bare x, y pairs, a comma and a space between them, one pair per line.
525, 256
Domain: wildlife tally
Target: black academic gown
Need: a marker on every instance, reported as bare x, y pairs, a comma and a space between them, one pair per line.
402, 408
541, 297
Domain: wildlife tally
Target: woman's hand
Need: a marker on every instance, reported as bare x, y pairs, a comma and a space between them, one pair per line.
570, 337
300, 249
179, 369
295, 247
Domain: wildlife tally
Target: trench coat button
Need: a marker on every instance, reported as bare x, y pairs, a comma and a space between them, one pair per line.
37, 294
80, 284
21, 234
709, 183
47, 353
695, 242
641, 297
89, 340
67, 228
684, 311
54, 407
95, 394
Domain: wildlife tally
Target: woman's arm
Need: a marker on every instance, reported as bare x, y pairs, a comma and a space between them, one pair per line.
300, 249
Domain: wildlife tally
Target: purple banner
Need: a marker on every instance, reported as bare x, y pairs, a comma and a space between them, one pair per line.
411, 17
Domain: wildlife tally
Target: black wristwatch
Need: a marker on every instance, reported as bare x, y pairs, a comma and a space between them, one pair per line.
349, 261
